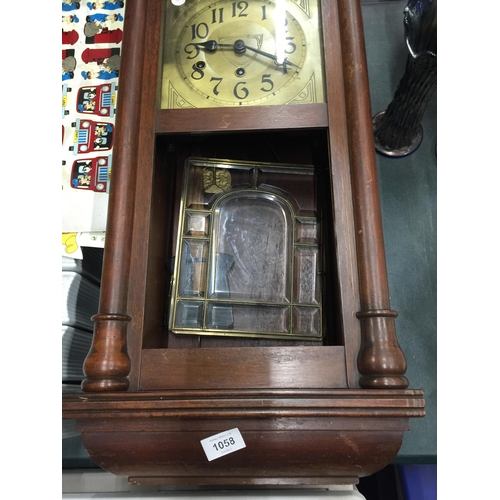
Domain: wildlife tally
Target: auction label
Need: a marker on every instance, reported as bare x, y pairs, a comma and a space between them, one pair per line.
223, 443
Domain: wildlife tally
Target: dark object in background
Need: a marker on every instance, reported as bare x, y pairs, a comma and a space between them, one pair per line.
398, 130
401, 482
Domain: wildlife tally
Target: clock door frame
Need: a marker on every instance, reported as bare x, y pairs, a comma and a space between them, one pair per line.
136, 389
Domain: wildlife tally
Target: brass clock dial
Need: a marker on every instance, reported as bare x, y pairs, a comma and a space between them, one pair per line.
241, 53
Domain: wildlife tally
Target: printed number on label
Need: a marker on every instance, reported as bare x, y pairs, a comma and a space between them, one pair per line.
223, 443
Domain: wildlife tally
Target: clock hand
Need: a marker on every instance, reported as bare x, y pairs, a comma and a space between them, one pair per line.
239, 47
210, 45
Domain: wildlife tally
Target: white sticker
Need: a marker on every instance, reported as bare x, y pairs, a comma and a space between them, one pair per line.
223, 443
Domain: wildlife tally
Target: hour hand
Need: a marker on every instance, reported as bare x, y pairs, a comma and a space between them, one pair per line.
210, 45
193, 49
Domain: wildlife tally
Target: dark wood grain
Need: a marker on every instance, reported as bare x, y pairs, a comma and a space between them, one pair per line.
293, 437
148, 269
299, 116
243, 368
343, 230
281, 457
381, 361
204, 405
388, 422
107, 364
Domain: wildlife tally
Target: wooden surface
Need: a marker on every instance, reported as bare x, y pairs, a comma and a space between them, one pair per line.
366, 426
381, 361
275, 458
204, 405
171, 121
343, 234
292, 437
243, 368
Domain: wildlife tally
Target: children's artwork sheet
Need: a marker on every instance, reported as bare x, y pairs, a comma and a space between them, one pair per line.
91, 55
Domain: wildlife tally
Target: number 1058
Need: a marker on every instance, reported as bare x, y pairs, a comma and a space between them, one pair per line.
220, 445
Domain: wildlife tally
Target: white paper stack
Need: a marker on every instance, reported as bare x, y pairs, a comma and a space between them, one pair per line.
89, 267
75, 347
80, 301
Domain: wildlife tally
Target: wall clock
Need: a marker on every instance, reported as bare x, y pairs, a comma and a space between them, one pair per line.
244, 282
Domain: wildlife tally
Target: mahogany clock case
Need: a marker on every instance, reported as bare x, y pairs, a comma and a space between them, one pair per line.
311, 412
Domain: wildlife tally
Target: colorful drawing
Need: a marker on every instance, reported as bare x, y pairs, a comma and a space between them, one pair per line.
102, 35
70, 19
65, 90
91, 136
96, 23
101, 56
92, 174
100, 74
97, 99
69, 37
68, 63
104, 18
69, 242
68, 5
105, 5
89, 96
107, 60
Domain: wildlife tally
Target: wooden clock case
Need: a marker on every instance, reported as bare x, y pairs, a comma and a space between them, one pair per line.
310, 413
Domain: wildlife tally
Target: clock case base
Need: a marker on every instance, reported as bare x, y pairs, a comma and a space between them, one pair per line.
309, 414
293, 438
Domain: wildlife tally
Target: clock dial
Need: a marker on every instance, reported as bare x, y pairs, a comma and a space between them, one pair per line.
241, 53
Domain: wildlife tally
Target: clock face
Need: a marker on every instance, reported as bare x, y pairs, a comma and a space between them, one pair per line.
241, 53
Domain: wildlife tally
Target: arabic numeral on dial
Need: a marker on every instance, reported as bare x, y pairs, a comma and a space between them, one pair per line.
290, 47
192, 50
219, 80
199, 31
241, 7
267, 80
239, 91
264, 16
197, 73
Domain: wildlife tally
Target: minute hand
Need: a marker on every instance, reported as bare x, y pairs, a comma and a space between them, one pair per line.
239, 47
271, 56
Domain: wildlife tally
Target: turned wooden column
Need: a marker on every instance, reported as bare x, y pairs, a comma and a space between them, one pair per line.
107, 365
381, 361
